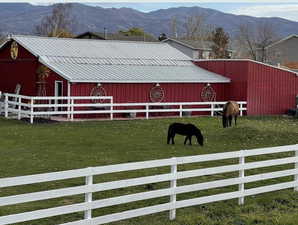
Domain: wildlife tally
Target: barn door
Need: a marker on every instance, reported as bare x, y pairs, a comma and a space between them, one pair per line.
58, 93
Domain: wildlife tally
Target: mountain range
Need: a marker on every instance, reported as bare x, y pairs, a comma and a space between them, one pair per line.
21, 18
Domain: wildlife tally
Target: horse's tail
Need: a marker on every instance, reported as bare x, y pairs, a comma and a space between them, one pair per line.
169, 134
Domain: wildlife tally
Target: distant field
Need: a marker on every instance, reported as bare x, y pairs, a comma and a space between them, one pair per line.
29, 149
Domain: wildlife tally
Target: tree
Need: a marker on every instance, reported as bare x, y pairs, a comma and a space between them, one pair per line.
255, 39
173, 24
2, 37
220, 43
135, 31
59, 24
196, 28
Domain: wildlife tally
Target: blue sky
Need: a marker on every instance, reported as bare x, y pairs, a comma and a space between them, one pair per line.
287, 9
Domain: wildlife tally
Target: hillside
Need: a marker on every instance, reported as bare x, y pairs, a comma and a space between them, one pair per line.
21, 18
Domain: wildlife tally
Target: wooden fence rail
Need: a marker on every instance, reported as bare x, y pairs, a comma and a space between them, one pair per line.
26, 106
172, 191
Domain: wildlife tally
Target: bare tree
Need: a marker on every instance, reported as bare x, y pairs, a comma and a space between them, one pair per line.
59, 24
195, 27
174, 31
2, 37
265, 36
255, 39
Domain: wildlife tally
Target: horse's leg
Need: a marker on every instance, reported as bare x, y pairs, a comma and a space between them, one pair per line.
169, 136
185, 140
190, 139
235, 120
224, 119
230, 121
173, 136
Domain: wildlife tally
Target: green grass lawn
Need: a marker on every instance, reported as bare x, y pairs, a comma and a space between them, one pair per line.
29, 149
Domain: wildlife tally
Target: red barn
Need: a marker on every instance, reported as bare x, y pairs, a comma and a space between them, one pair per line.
267, 89
130, 71
125, 70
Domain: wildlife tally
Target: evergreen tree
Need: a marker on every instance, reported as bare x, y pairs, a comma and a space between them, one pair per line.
220, 44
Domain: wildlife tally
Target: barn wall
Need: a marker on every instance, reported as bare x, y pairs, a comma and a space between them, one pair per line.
50, 85
237, 71
266, 89
270, 90
132, 93
22, 71
123, 93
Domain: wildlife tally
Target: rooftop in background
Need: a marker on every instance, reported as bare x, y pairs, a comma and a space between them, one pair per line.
81, 60
194, 44
115, 36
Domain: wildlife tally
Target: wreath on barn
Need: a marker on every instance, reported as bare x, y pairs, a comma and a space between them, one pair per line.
208, 94
157, 94
98, 91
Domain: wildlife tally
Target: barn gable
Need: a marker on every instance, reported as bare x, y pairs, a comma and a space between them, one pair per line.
95, 61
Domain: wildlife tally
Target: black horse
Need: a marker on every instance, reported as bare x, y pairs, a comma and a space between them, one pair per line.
187, 130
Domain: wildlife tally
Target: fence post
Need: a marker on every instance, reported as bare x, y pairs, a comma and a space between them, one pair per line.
180, 110
19, 108
296, 167
241, 175
111, 109
88, 196
212, 109
173, 188
68, 107
241, 109
71, 109
6, 106
147, 111
31, 111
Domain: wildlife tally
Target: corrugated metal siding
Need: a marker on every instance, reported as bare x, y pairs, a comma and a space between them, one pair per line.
50, 85
22, 71
140, 92
237, 71
270, 90
266, 89
69, 47
94, 73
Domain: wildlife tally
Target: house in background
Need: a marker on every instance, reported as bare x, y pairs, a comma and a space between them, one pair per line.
282, 53
195, 49
115, 36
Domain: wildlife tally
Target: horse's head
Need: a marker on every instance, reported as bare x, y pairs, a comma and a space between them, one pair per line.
200, 138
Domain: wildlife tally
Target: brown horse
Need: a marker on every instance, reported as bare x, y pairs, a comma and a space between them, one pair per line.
230, 110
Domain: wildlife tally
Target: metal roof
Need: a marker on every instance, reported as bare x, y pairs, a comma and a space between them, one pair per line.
195, 44
85, 60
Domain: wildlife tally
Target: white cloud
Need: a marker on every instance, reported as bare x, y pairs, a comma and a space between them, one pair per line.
286, 11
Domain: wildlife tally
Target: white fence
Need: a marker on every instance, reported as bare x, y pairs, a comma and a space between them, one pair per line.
89, 188
1, 103
26, 106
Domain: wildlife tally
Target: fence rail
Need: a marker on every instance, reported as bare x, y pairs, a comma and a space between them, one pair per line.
26, 106
173, 190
